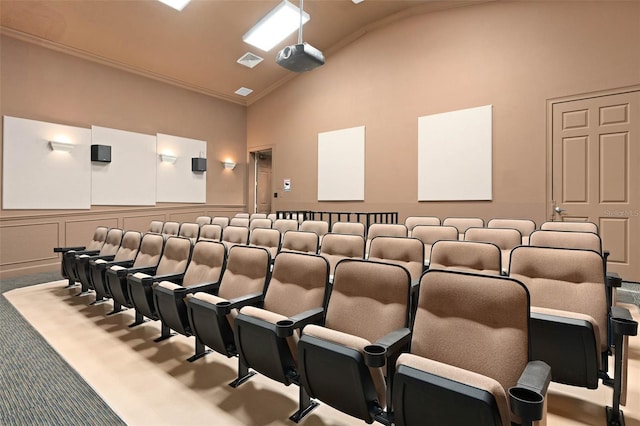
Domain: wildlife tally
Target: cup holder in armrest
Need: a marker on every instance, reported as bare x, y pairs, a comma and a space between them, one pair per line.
284, 328
624, 326
223, 307
526, 403
375, 355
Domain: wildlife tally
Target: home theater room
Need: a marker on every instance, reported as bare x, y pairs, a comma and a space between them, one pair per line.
323, 212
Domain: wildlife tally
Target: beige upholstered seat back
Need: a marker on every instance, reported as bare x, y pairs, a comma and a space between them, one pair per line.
429, 234
478, 323
525, 226
564, 279
242, 215
336, 247
299, 277
129, 246
203, 220
210, 232
463, 223
570, 226
206, 264
112, 242
505, 238
175, 257
403, 251
98, 239
156, 226
368, 299
353, 228
567, 239
468, 256
190, 230
260, 223
267, 238
235, 235
150, 251
239, 221
223, 221
385, 230
257, 216
320, 227
412, 221
300, 241
284, 225
171, 228
246, 272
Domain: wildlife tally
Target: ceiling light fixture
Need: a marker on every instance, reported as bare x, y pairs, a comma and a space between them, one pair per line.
243, 91
275, 26
176, 4
166, 158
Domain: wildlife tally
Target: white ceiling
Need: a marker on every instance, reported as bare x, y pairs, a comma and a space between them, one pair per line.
198, 47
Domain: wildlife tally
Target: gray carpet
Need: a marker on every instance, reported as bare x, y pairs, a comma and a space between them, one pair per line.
38, 387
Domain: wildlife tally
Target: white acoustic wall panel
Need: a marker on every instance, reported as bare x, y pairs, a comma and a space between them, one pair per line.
36, 177
454, 155
130, 178
341, 165
176, 183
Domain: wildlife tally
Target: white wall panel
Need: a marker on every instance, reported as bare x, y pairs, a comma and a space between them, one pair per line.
176, 183
341, 162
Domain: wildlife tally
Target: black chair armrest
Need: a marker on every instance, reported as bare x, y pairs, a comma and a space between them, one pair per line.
375, 355
88, 253
108, 258
66, 249
622, 322
223, 308
174, 278
613, 280
285, 328
527, 397
149, 270
211, 288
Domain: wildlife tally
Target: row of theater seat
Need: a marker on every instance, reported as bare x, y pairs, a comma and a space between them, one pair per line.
375, 317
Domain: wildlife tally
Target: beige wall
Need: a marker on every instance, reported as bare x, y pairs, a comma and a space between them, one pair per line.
515, 56
43, 84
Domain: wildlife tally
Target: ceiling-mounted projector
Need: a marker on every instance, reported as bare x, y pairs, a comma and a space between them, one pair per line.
300, 57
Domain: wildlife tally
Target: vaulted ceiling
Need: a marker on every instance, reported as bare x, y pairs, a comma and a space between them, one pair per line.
196, 48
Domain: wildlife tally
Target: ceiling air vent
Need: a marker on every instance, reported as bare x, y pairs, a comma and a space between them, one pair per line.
249, 60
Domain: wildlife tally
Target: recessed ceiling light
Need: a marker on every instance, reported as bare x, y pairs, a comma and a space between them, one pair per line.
243, 91
275, 26
176, 4
249, 60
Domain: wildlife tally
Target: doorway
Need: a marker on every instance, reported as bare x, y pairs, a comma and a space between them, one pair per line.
595, 153
262, 195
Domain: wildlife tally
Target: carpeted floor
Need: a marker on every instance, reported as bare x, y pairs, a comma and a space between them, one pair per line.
38, 386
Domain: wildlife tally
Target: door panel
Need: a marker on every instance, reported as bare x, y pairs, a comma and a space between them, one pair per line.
263, 182
596, 173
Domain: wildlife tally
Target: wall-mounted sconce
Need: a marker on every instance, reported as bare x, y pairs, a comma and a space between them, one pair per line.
166, 158
198, 164
61, 146
228, 164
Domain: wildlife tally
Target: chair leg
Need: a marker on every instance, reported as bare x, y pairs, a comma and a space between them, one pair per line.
117, 308
200, 351
243, 374
305, 405
614, 414
165, 333
70, 283
140, 319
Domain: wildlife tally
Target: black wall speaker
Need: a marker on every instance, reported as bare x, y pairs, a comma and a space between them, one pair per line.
101, 153
199, 164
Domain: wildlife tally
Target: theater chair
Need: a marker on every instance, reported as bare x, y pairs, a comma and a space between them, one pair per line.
223, 221
367, 313
124, 257
352, 228
172, 266
242, 215
505, 238
469, 256
260, 223
156, 226
107, 252
147, 260
463, 223
384, 230
470, 361
300, 242
412, 221
320, 227
429, 234
525, 226
284, 225
336, 247
243, 283
69, 253
571, 319
235, 235
239, 221
203, 220
190, 230
203, 274
253, 216
267, 337
210, 232
170, 229
266, 238
403, 251
570, 226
